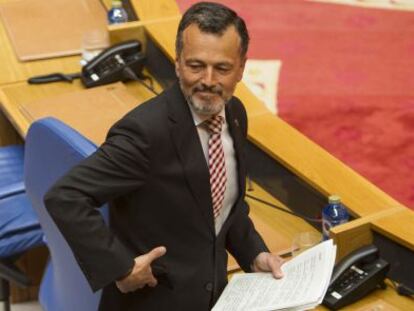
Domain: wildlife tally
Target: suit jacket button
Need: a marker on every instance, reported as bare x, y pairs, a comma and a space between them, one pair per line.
209, 286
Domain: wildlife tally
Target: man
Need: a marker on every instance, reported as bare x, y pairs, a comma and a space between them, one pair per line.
174, 169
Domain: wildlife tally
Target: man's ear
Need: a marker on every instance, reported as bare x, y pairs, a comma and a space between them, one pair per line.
241, 69
177, 67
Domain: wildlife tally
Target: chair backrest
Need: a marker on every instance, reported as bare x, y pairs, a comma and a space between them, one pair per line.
52, 148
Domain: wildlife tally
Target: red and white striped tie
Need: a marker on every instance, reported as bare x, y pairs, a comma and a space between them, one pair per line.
216, 163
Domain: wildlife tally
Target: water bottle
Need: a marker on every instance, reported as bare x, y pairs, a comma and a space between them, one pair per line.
117, 13
333, 215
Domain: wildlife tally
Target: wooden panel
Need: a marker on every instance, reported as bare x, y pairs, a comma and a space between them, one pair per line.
32, 263
127, 31
8, 134
165, 17
107, 4
136, 30
149, 9
397, 227
253, 105
163, 34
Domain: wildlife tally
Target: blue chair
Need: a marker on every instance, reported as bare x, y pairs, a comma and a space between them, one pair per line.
52, 148
19, 227
11, 170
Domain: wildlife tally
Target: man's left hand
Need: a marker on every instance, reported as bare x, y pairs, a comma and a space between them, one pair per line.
268, 262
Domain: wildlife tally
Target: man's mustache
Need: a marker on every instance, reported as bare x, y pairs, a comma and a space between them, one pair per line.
214, 89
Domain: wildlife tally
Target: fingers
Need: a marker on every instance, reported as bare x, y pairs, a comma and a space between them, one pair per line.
150, 257
152, 282
141, 274
137, 281
155, 253
275, 263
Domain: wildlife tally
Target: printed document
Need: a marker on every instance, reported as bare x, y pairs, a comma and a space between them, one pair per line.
305, 282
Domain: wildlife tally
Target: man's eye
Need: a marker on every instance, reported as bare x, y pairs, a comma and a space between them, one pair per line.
195, 67
223, 69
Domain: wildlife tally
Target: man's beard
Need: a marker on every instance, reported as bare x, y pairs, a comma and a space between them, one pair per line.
206, 106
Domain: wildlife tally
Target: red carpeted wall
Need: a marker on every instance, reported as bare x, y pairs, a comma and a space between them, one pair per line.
347, 81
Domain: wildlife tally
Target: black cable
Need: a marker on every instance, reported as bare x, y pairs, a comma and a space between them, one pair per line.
129, 73
402, 289
284, 210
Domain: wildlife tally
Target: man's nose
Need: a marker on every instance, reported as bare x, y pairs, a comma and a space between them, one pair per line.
209, 77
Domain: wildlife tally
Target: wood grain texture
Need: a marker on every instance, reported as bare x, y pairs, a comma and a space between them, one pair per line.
8, 135
14, 96
149, 10
398, 227
34, 26
163, 34
12, 70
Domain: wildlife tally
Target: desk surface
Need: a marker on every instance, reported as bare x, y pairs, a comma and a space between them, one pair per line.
14, 71
14, 95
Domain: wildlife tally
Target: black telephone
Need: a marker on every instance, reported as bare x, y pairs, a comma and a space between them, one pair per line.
355, 276
114, 64
120, 62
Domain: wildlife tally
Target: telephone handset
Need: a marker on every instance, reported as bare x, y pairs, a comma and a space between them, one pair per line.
111, 64
355, 276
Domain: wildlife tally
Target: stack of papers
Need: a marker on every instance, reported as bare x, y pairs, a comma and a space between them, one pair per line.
305, 282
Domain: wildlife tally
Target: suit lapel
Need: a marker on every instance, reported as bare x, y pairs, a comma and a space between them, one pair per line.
188, 147
237, 135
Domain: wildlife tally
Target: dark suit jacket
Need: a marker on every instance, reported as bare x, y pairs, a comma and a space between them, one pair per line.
153, 169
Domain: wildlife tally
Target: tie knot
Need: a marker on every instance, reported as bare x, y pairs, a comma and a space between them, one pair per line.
214, 124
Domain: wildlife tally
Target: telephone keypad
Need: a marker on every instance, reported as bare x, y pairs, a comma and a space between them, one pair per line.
351, 277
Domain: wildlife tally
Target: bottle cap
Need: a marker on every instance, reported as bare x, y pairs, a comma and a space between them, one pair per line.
334, 199
116, 3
